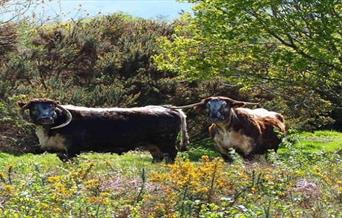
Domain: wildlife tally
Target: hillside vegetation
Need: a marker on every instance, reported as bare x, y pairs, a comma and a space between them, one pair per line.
292, 184
285, 55
100, 62
114, 61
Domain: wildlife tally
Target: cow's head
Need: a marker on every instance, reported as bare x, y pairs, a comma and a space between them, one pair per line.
45, 112
219, 108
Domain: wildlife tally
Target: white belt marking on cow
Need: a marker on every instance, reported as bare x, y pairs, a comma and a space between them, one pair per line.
259, 112
150, 108
226, 139
56, 142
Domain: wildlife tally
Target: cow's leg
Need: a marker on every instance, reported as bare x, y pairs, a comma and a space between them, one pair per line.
67, 155
248, 157
157, 155
64, 156
225, 153
227, 158
169, 153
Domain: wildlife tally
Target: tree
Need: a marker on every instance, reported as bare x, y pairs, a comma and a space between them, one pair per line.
9, 11
276, 46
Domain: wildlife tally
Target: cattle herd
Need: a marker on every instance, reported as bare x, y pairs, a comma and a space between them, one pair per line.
69, 130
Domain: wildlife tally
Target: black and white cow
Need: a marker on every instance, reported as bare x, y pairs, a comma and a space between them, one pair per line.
70, 130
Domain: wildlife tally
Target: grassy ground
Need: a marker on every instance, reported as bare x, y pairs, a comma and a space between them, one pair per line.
293, 183
319, 141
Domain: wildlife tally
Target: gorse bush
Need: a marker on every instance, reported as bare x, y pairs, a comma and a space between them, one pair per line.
110, 61
105, 61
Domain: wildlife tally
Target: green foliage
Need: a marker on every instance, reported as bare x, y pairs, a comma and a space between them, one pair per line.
317, 141
99, 62
282, 50
199, 149
87, 62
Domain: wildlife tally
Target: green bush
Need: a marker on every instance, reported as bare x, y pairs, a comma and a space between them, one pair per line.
103, 62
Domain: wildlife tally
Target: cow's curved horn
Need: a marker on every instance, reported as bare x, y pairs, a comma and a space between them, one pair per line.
69, 118
184, 106
250, 103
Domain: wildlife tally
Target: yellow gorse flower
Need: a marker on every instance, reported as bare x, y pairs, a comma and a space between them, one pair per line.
9, 189
2, 177
198, 178
54, 179
93, 183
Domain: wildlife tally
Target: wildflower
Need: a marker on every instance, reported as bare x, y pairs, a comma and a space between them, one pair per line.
101, 199
2, 177
242, 208
309, 189
229, 199
9, 189
93, 183
54, 179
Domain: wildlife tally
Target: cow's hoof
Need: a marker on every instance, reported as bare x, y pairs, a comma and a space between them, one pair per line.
65, 157
157, 159
227, 158
169, 159
183, 149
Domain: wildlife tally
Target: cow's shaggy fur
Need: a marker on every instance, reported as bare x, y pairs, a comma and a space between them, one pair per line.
117, 130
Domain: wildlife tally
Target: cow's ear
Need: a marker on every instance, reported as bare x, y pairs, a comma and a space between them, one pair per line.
201, 106
232, 102
21, 104
24, 105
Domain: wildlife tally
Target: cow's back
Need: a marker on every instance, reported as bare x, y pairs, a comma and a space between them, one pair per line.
120, 129
264, 117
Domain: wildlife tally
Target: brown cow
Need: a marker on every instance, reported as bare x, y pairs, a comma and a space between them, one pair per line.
249, 131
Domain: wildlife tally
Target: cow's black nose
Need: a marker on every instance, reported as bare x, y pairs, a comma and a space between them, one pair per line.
45, 120
216, 117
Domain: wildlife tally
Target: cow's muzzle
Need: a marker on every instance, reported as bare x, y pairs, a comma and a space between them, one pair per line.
45, 121
216, 118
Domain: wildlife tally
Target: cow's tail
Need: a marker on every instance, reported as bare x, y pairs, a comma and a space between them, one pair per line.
281, 123
281, 128
184, 136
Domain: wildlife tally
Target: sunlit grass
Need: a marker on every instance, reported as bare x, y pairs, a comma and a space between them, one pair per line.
316, 141
320, 140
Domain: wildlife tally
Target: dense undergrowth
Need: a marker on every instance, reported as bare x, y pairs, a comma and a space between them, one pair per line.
100, 62
295, 183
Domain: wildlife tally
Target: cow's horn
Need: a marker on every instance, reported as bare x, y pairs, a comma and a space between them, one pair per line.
250, 103
69, 118
184, 106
